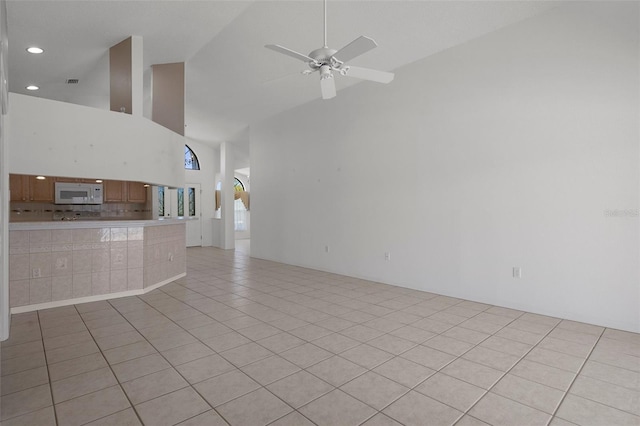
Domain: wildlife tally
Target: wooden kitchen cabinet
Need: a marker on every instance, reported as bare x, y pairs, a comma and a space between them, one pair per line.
19, 187
41, 190
115, 191
29, 188
136, 192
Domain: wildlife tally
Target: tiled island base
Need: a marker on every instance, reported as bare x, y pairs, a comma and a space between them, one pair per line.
61, 263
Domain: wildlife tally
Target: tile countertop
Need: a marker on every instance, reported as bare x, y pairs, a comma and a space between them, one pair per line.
80, 224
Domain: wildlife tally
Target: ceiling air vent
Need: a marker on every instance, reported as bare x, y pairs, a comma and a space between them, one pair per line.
72, 81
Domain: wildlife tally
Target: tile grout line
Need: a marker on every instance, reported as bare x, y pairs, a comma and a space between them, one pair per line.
555, 411
46, 364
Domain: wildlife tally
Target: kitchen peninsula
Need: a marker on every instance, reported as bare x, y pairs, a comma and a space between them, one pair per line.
66, 254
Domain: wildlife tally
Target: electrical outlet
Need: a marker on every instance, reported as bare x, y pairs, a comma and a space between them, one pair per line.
517, 272
61, 263
36, 273
326, 249
387, 255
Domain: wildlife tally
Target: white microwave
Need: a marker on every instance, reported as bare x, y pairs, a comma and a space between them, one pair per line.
78, 193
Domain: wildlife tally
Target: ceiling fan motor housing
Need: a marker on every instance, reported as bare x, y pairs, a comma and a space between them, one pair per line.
322, 56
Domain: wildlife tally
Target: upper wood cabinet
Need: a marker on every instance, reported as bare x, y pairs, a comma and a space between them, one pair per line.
30, 188
19, 187
136, 192
115, 191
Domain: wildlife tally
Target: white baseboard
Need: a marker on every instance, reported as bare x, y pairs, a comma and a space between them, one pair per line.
96, 298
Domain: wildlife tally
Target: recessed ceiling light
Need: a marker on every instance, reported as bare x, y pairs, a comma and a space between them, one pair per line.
32, 87
40, 177
35, 50
98, 180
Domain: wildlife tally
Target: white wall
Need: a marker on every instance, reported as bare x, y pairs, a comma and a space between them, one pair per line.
209, 160
5, 313
60, 139
505, 151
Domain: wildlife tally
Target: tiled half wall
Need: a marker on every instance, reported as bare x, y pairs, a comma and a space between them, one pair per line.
53, 265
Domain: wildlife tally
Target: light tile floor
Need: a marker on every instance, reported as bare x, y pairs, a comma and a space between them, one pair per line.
251, 342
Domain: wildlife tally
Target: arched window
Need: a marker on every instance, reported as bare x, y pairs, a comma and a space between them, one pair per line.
238, 185
190, 159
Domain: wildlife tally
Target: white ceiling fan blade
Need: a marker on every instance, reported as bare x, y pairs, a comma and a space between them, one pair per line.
356, 48
369, 74
289, 52
328, 88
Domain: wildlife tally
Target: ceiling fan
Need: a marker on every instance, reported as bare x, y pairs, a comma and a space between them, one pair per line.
326, 60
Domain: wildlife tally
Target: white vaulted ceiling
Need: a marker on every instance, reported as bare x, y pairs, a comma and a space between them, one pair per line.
231, 79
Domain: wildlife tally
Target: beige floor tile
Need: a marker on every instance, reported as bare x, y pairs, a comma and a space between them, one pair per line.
335, 324
428, 357
300, 388
520, 335
585, 412
195, 321
581, 327
43, 417
555, 359
66, 340
507, 346
26, 401
310, 332
128, 352
22, 363
172, 341
292, 419
172, 408
471, 372
270, 369
259, 331
204, 368
76, 366
413, 334
241, 322
392, 344
482, 326
246, 354
225, 387
187, 353
451, 391
336, 370
361, 333
470, 421
466, 335
24, 380
403, 371
306, 355
153, 385
606, 393
446, 344
610, 374
499, 411
530, 393
225, 341
543, 374
381, 420
374, 390
91, 407
337, 408
210, 331
494, 359
82, 384
122, 418
259, 407
115, 341
617, 359
23, 349
366, 356
70, 352
336, 343
576, 349
574, 336
280, 342
208, 418
414, 408
112, 330
384, 324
